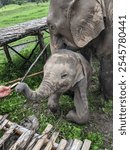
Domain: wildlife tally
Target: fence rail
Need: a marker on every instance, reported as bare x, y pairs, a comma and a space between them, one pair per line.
30, 140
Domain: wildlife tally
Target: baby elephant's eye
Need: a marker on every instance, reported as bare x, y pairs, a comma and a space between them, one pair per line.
64, 75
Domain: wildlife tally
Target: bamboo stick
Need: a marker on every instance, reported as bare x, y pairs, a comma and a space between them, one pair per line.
62, 145
20, 130
23, 140
32, 142
86, 145
3, 124
69, 144
76, 145
7, 134
41, 141
2, 118
19, 79
52, 141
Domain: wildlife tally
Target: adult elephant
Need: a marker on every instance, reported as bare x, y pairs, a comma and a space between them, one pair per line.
85, 25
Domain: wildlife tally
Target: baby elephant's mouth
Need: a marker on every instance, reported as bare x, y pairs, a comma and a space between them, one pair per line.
63, 87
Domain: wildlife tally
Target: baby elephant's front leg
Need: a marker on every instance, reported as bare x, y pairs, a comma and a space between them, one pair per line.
53, 102
81, 114
79, 119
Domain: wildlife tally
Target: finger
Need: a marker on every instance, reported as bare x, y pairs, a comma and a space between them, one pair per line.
4, 94
2, 88
6, 87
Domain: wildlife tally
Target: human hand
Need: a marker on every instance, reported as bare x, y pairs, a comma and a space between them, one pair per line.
4, 91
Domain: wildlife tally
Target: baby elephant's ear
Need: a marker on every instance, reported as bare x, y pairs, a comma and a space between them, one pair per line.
81, 72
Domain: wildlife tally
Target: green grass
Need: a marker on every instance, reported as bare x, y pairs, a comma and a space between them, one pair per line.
13, 14
19, 108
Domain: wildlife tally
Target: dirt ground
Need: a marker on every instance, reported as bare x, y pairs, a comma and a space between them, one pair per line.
104, 124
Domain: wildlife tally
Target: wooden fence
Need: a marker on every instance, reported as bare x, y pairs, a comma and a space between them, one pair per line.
30, 140
11, 34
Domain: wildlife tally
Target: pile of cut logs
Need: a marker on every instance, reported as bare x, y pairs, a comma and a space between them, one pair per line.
25, 139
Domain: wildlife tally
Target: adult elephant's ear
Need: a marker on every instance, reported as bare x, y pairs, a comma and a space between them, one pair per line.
86, 20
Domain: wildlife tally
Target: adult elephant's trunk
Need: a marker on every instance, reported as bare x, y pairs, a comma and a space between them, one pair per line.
44, 90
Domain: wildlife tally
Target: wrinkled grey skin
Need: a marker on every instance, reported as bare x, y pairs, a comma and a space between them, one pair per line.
85, 25
63, 71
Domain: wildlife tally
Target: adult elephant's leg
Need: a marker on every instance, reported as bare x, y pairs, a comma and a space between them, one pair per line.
81, 114
106, 76
53, 102
105, 54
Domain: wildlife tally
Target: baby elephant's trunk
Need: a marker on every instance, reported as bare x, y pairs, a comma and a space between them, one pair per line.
44, 90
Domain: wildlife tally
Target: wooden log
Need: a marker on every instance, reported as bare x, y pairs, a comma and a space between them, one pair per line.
20, 130
44, 136
7, 134
52, 141
33, 142
23, 140
3, 124
77, 144
69, 144
35, 139
55, 145
62, 145
13, 33
2, 118
86, 145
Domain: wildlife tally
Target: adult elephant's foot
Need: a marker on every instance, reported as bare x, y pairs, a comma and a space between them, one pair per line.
79, 119
106, 76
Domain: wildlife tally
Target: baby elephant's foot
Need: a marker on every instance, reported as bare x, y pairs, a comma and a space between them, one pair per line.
53, 107
73, 117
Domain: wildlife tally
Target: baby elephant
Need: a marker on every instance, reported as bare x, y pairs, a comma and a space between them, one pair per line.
63, 71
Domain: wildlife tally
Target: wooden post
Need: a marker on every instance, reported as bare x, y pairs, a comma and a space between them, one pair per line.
86, 145
77, 144
69, 144
7, 53
42, 45
62, 145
